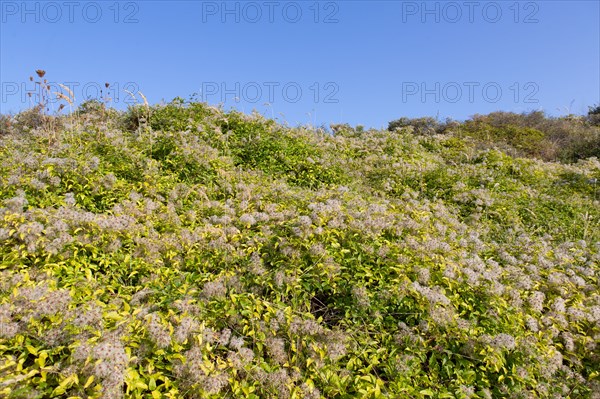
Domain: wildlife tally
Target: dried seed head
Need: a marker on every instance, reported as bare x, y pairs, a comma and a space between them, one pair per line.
31, 78
62, 96
144, 98
66, 88
106, 85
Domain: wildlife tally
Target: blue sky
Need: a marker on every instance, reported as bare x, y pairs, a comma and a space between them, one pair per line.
317, 62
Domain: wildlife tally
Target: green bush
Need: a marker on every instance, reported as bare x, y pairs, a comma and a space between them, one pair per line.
422, 126
525, 140
91, 106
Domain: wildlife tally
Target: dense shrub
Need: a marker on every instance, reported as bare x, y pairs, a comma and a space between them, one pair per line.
209, 254
423, 126
31, 119
564, 139
91, 106
594, 115
525, 141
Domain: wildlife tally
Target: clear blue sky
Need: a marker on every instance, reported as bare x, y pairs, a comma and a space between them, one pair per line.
361, 62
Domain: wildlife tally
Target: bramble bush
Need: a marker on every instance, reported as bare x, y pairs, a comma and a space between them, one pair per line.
182, 251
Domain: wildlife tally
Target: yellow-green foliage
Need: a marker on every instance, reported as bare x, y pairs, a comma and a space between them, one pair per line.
201, 253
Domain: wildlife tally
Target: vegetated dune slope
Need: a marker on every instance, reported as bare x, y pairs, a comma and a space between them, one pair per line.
217, 254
